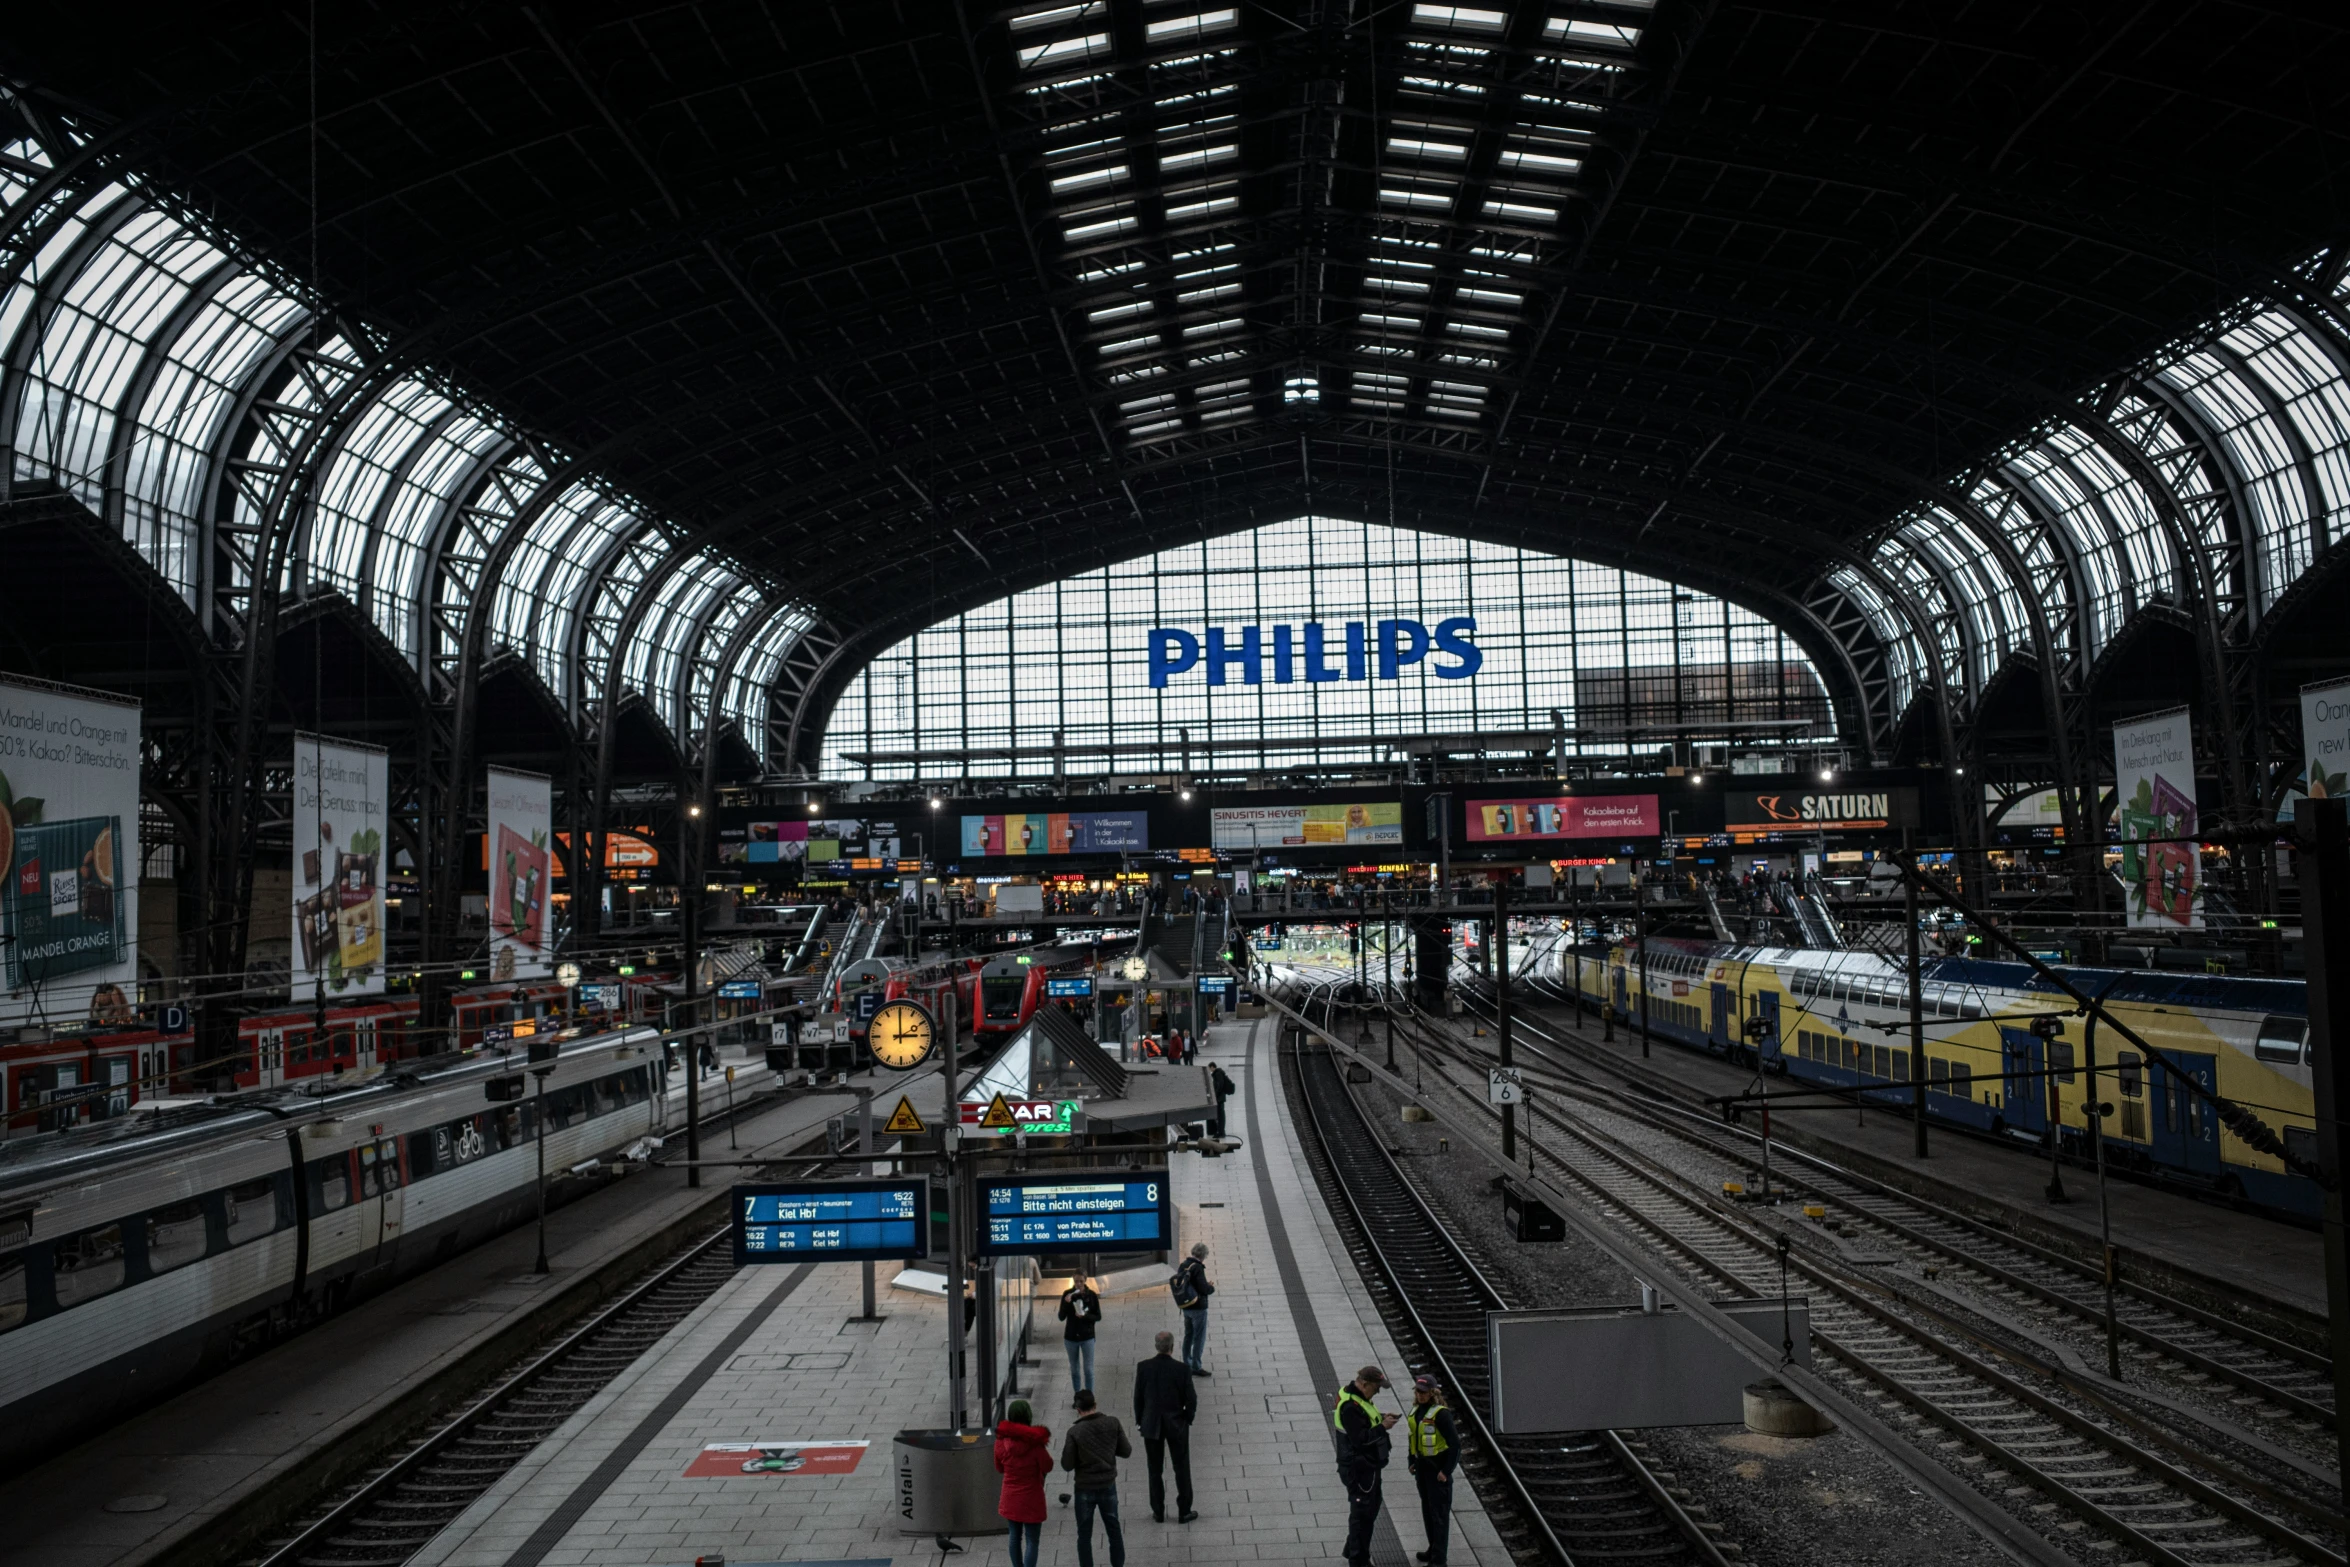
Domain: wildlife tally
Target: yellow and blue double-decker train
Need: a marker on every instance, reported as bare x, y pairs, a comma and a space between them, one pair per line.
2005, 1050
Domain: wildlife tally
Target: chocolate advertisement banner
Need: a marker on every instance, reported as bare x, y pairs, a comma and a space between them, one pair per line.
521, 844
69, 841
2154, 784
2325, 740
342, 792
1563, 816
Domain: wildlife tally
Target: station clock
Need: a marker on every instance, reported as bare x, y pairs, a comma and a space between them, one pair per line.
901, 1035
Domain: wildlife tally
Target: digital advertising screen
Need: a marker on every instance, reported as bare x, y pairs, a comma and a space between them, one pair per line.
1057, 832
831, 1221
1565, 816
1109, 1210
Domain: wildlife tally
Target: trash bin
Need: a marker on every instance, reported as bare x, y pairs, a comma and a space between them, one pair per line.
947, 1483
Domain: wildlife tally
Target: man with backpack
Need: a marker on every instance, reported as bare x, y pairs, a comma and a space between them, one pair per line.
1191, 1289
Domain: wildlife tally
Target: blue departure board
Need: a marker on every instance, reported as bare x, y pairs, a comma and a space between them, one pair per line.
1110, 1210
831, 1221
1068, 987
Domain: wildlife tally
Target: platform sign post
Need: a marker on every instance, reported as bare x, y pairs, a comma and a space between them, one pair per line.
865, 1149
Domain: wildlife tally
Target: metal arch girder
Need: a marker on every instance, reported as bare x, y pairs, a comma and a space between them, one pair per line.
683, 720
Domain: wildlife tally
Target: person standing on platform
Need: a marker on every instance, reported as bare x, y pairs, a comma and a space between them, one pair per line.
1192, 1289
1433, 1453
1081, 1310
1024, 1457
1363, 1446
1163, 1406
1090, 1452
1224, 1087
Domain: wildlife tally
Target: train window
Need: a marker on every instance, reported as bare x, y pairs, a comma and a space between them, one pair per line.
252, 1210
175, 1236
330, 1184
1962, 1080
2300, 1142
2060, 1059
15, 1303
1967, 1009
1937, 1073
1901, 1066
86, 1266
2282, 1040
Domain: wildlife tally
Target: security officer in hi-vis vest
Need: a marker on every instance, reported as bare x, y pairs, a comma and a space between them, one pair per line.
1363, 1446
1434, 1449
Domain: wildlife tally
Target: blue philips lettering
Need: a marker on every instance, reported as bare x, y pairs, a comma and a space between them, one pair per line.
1283, 655
1452, 636
1247, 658
1401, 642
1316, 671
1173, 652
1358, 664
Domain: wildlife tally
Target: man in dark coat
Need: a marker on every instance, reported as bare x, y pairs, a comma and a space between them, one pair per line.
1363, 1446
1164, 1403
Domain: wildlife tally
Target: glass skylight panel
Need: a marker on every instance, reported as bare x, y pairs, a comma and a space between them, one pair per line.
1433, 151
1185, 29
1100, 272
1125, 312
1142, 405
1571, 29
1204, 295
1087, 233
1206, 206
1393, 285
418, 502
1059, 15
1416, 198
1459, 18
750, 686
1155, 430
1525, 160
663, 633
1188, 159
1489, 296
1213, 328
1091, 179
342, 515
1126, 345
1129, 375
1061, 52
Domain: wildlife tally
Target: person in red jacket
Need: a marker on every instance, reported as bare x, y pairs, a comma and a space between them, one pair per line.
1023, 1456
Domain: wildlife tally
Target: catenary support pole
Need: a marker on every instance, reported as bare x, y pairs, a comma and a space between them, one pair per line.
1387, 943
693, 1042
865, 1147
2098, 1110
1917, 1008
1500, 943
1640, 927
2322, 866
958, 1217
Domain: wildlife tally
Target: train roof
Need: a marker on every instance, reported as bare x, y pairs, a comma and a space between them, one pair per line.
86, 1152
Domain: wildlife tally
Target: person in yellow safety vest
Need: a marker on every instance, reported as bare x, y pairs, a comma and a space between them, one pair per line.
1363, 1446
1434, 1451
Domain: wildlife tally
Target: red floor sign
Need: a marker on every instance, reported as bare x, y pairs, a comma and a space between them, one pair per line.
776, 1458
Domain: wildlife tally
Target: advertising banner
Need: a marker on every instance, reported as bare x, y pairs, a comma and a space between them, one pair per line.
341, 798
1566, 816
1075, 832
1823, 810
2154, 780
521, 838
1306, 826
2325, 740
784, 1456
773, 841
2041, 809
69, 840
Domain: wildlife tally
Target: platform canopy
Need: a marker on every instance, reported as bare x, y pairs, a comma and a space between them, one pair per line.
715, 348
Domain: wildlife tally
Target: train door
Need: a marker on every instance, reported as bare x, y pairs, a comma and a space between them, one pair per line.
1623, 989
1721, 1028
269, 1047
2186, 1133
118, 1084
383, 1198
1766, 1043
363, 1045
2024, 1090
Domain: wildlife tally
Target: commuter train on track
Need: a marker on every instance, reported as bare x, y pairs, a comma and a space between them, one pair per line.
1840, 1019
142, 1250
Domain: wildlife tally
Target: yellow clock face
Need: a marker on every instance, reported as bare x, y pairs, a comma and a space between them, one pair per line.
901, 1035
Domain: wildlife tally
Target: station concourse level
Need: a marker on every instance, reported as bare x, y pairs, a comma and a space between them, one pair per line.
1642, 700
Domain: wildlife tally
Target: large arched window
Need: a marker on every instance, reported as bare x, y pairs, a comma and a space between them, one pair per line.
1061, 677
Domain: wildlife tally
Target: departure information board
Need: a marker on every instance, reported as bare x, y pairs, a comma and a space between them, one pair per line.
831, 1221
1108, 1210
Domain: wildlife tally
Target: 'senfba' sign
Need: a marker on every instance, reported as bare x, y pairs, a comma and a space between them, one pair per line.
1315, 653
1824, 811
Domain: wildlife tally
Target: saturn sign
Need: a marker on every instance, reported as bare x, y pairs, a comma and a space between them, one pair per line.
1312, 653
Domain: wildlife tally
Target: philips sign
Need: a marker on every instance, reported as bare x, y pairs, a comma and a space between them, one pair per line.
1316, 656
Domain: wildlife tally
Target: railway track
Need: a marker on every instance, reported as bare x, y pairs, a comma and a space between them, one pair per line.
1951, 1369
396, 1511
1587, 1497
2297, 1382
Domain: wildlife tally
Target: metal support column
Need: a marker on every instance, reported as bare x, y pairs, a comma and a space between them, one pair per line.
2322, 866
1917, 1006
1499, 941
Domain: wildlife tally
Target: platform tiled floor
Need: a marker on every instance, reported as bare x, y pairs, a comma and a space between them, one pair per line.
784, 1361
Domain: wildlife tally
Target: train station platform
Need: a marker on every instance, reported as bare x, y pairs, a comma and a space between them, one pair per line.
775, 1356
218, 1466
2205, 1249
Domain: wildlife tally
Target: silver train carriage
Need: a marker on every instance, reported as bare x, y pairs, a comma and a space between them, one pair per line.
135, 1256
1840, 1018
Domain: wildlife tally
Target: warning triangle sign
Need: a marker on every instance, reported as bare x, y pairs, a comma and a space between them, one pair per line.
998, 1117
903, 1122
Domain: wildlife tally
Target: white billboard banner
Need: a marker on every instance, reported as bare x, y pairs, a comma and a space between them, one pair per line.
2325, 740
521, 833
2154, 781
69, 840
342, 795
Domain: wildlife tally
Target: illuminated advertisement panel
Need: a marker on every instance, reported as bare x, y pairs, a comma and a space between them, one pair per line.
1307, 826
1072, 832
1563, 816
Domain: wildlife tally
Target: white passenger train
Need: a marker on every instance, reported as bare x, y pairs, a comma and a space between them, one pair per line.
136, 1255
